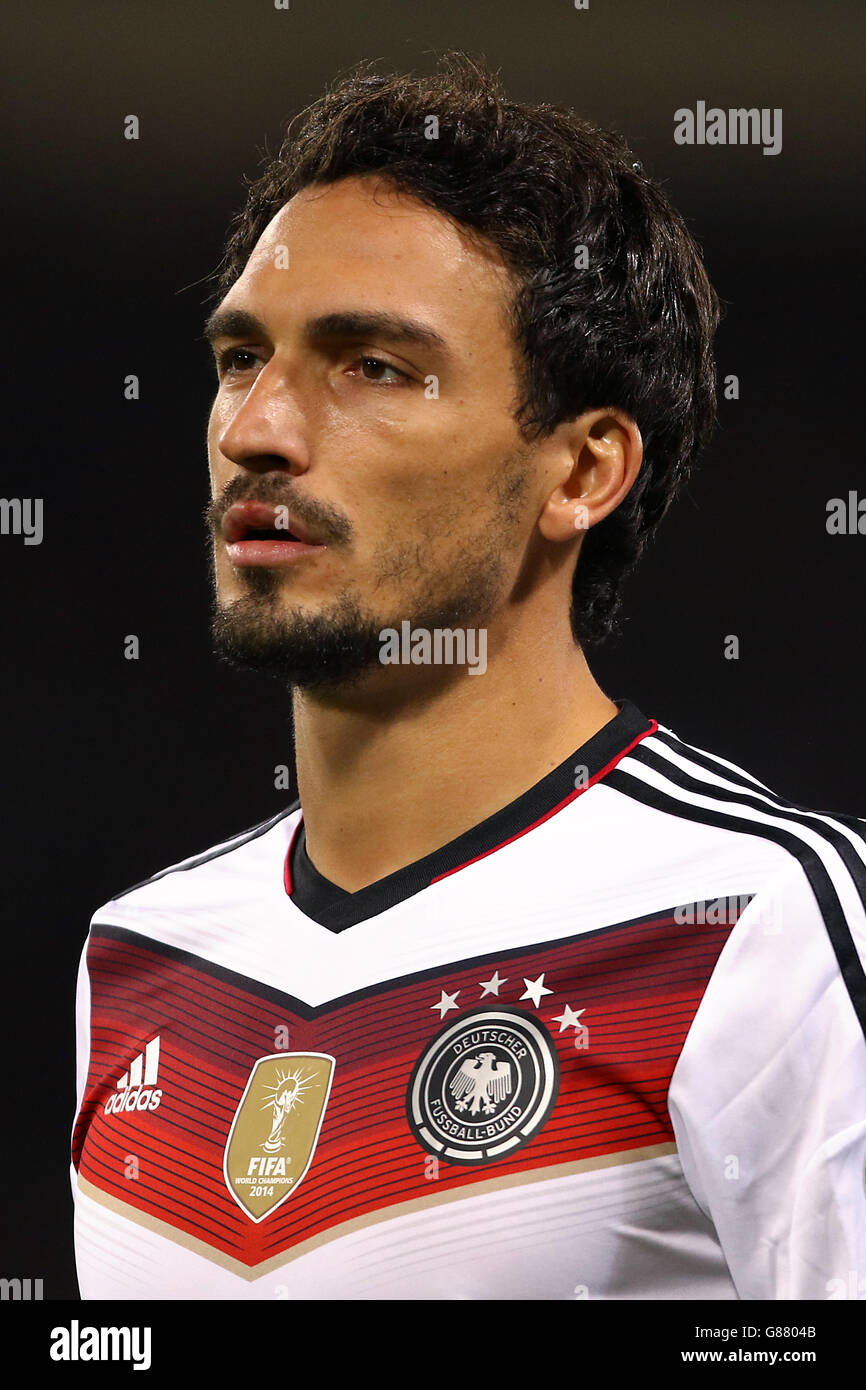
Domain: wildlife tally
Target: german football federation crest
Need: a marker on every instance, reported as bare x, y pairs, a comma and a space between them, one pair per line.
276, 1128
484, 1086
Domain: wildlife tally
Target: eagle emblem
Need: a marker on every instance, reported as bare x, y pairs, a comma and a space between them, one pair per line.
481, 1083
484, 1086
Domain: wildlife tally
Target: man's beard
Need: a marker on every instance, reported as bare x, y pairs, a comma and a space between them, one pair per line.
334, 647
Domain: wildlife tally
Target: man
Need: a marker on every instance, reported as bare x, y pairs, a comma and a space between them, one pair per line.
524, 998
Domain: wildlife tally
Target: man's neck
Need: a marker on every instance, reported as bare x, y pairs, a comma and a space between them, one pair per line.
389, 774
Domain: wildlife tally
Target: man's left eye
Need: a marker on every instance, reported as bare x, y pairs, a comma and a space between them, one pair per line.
376, 365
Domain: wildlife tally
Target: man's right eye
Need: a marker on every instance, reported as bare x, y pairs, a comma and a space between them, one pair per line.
228, 360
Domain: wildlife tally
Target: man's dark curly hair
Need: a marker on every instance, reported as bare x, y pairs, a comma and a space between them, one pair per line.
632, 330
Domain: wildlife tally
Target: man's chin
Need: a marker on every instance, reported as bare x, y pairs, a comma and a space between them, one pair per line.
312, 651
336, 645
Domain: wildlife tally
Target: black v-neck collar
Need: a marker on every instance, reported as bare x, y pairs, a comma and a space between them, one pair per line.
333, 907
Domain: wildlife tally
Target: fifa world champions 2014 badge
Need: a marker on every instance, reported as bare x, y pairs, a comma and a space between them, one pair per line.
276, 1128
484, 1086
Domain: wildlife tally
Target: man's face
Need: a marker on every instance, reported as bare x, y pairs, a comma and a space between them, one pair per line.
394, 448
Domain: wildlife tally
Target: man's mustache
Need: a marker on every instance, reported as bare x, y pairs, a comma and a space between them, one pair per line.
324, 521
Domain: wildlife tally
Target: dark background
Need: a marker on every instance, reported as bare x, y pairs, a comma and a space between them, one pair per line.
114, 768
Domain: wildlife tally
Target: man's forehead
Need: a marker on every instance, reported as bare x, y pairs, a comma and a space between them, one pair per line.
368, 197
365, 220
359, 244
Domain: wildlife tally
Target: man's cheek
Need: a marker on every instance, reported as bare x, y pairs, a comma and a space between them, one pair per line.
218, 421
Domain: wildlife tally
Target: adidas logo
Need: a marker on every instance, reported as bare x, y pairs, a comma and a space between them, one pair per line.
136, 1088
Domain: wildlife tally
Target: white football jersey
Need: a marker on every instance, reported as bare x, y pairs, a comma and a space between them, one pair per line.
608, 1044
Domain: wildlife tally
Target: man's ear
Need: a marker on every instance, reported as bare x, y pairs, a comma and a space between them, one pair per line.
600, 453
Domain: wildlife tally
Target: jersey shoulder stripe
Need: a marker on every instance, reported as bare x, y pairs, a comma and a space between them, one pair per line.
665, 774
695, 771
214, 852
711, 761
731, 772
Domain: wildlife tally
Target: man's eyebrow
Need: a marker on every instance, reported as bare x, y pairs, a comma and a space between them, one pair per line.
233, 323
238, 323
349, 323
374, 324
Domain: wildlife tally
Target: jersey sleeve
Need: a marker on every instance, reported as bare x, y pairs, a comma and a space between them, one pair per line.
768, 1099
82, 1050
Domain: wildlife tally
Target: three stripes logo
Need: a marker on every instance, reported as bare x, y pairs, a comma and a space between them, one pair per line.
136, 1089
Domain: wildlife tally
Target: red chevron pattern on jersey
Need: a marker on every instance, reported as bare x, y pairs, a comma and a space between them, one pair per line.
636, 987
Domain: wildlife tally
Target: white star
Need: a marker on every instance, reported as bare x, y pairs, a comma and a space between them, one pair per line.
448, 1001
570, 1018
491, 986
535, 989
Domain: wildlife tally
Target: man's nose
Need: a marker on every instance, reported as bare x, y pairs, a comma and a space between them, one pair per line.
266, 431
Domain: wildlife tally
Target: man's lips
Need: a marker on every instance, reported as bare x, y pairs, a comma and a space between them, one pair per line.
261, 533
242, 518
